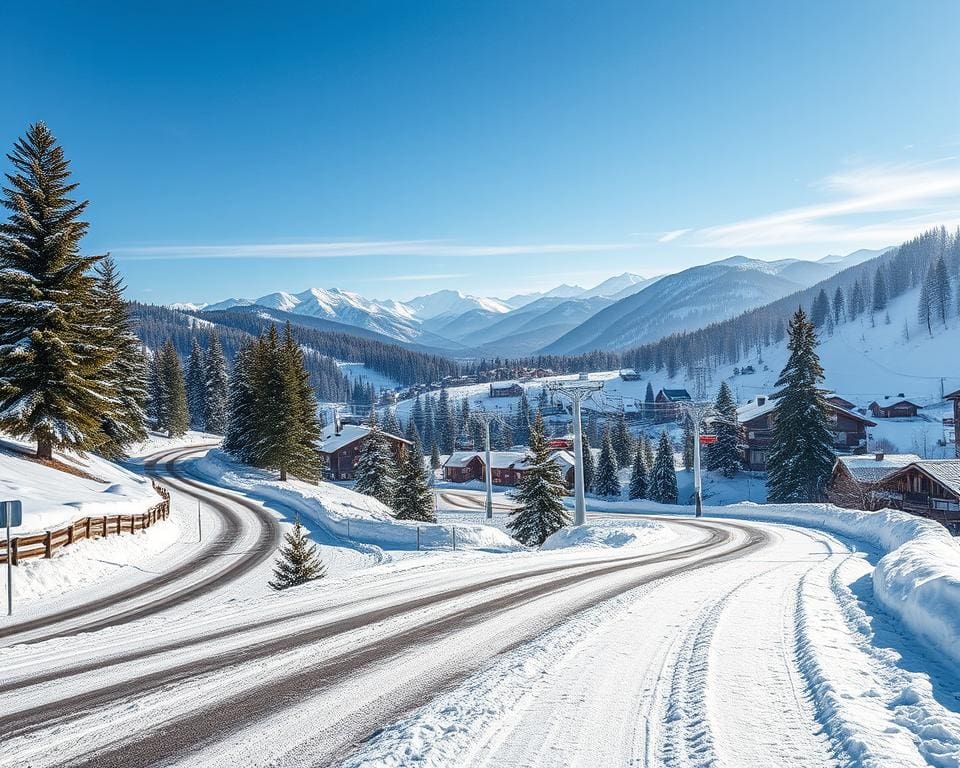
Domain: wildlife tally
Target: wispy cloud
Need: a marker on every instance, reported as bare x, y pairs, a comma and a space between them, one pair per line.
672, 235
413, 278
356, 248
907, 197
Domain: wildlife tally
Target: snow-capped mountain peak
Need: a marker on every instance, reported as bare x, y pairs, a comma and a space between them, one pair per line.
450, 302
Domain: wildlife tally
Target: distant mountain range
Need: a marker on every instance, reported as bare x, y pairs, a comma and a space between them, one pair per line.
620, 312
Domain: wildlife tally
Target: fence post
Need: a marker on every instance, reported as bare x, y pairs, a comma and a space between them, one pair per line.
14, 553
70, 533
106, 526
418, 538
348, 527
88, 526
48, 545
133, 522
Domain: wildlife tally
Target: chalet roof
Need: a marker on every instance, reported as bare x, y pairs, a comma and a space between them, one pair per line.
504, 384
331, 442
893, 405
508, 459
952, 396
673, 395
867, 469
461, 458
944, 471
752, 411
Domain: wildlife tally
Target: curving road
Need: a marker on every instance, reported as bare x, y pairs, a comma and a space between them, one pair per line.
241, 523
377, 652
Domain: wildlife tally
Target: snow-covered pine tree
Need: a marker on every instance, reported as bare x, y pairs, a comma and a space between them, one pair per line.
648, 452
940, 293
390, 424
801, 454
649, 402
606, 483
157, 397
505, 437
879, 291
523, 420
303, 458
839, 306
241, 433
417, 414
589, 469
176, 414
434, 457
540, 492
298, 562
217, 388
412, 499
52, 389
623, 442
375, 470
820, 310
125, 422
638, 475
724, 455
663, 477
687, 442
196, 386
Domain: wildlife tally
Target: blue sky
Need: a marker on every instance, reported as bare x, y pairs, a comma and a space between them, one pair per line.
393, 148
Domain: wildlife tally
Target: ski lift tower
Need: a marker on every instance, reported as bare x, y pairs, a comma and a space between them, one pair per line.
697, 412
576, 391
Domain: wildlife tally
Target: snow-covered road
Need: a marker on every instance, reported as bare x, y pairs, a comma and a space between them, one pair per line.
704, 643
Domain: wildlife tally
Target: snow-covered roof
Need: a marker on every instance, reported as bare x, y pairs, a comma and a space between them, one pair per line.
868, 469
507, 459
752, 410
944, 471
461, 458
674, 395
504, 384
564, 458
331, 442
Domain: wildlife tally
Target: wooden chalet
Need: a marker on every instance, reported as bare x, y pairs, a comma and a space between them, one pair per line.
341, 448
506, 467
505, 389
756, 422
841, 402
629, 374
668, 401
955, 397
929, 488
861, 482
899, 410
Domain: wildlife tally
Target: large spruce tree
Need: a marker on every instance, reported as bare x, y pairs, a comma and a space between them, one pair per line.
663, 476
540, 511
124, 422
638, 475
724, 455
53, 389
412, 499
217, 388
606, 483
196, 386
374, 473
241, 433
801, 454
176, 414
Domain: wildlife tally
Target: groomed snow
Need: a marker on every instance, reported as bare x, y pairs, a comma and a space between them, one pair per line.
609, 534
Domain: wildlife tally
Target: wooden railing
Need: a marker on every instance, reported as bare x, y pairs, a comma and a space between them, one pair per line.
45, 544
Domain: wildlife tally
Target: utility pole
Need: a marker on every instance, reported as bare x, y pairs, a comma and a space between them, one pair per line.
487, 418
577, 390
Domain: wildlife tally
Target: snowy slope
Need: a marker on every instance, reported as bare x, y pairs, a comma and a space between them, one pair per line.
53, 498
452, 303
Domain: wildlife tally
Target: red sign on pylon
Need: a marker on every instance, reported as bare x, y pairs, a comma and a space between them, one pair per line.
708, 439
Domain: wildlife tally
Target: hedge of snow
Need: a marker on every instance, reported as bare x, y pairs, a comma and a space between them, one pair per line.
917, 579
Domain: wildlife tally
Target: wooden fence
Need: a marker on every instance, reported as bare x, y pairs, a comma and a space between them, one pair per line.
45, 544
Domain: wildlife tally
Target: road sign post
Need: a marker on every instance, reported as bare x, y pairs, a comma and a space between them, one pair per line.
11, 516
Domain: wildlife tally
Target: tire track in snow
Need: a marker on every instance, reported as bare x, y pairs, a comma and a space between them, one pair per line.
126, 606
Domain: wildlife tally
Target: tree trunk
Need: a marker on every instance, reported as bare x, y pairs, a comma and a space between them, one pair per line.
44, 448
283, 475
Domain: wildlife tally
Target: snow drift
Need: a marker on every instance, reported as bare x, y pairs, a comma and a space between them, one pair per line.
607, 534
347, 514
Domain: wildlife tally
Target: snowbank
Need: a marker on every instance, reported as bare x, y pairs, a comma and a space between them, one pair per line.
53, 498
606, 534
917, 579
346, 514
